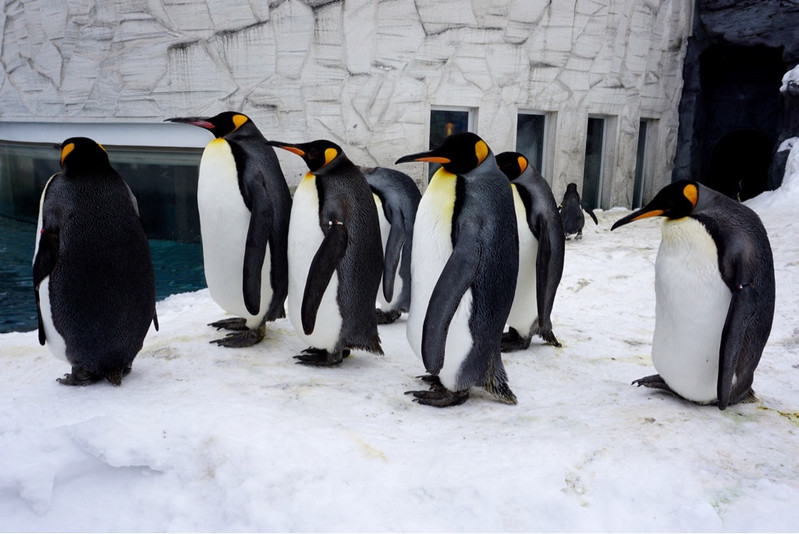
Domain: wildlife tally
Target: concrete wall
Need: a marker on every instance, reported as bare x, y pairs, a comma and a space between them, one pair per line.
362, 73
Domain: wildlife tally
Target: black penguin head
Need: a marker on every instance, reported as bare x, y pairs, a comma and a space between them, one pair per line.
572, 187
317, 154
675, 201
220, 125
458, 154
512, 164
80, 154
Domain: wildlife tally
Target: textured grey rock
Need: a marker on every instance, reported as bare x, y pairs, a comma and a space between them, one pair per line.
360, 72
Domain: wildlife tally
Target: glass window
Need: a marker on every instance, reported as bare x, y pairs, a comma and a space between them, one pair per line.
530, 138
443, 123
592, 172
640, 167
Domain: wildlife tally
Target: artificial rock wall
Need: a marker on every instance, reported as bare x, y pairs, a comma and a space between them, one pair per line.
362, 73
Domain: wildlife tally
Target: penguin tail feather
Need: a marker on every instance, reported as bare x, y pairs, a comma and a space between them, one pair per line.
372, 346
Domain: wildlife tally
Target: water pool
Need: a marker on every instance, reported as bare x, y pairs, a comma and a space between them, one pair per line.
178, 269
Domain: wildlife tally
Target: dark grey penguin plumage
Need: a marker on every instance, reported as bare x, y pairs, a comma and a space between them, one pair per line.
92, 270
398, 199
543, 245
571, 211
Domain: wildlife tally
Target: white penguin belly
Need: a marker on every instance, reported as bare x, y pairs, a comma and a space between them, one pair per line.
432, 247
53, 340
305, 237
691, 304
224, 222
385, 228
524, 310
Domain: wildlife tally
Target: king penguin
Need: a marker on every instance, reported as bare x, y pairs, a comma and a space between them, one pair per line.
541, 249
397, 199
244, 204
335, 256
571, 211
463, 272
92, 271
714, 294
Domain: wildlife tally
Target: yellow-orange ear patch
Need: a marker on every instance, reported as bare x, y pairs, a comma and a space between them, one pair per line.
691, 193
481, 151
66, 151
330, 154
522, 163
239, 120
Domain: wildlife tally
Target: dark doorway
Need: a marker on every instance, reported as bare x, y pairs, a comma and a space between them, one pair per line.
739, 117
739, 164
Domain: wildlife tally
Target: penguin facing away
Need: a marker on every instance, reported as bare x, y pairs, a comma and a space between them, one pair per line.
463, 272
92, 271
714, 294
397, 198
541, 251
244, 205
571, 211
335, 256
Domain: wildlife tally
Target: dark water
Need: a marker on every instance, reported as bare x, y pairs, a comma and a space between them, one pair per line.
178, 269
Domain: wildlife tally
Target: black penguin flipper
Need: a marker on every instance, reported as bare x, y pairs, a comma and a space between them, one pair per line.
590, 212
321, 270
394, 244
547, 280
740, 318
43, 264
457, 276
258, 234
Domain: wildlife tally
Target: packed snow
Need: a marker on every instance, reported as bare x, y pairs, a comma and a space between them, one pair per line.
205, 438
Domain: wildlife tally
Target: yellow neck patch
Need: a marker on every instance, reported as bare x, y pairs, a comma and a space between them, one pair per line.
481, 151
691, 193
66, 151
442, 189
238, 121
330, 155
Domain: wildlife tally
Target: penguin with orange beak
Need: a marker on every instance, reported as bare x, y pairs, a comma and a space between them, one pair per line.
714, 294
335, 256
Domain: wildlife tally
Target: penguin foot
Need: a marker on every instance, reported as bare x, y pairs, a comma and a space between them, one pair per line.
238, 340
79, 377
549, 337
387, 317
321, 358
433, 380
654, 382
513, 341
440, 397
237, 324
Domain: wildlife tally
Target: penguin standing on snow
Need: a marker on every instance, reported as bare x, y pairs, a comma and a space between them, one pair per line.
541, 250
397, 198
714, 294
335, 256
244, 204
463, 272
571, 211
92, 271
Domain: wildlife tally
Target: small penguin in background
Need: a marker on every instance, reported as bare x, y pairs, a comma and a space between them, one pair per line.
714, 294
244, 204
335, 256
541, 249
463, 272
397, 199
571, 211
92, 271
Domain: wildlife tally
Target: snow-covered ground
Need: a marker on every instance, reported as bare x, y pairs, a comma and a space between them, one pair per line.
206, 438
